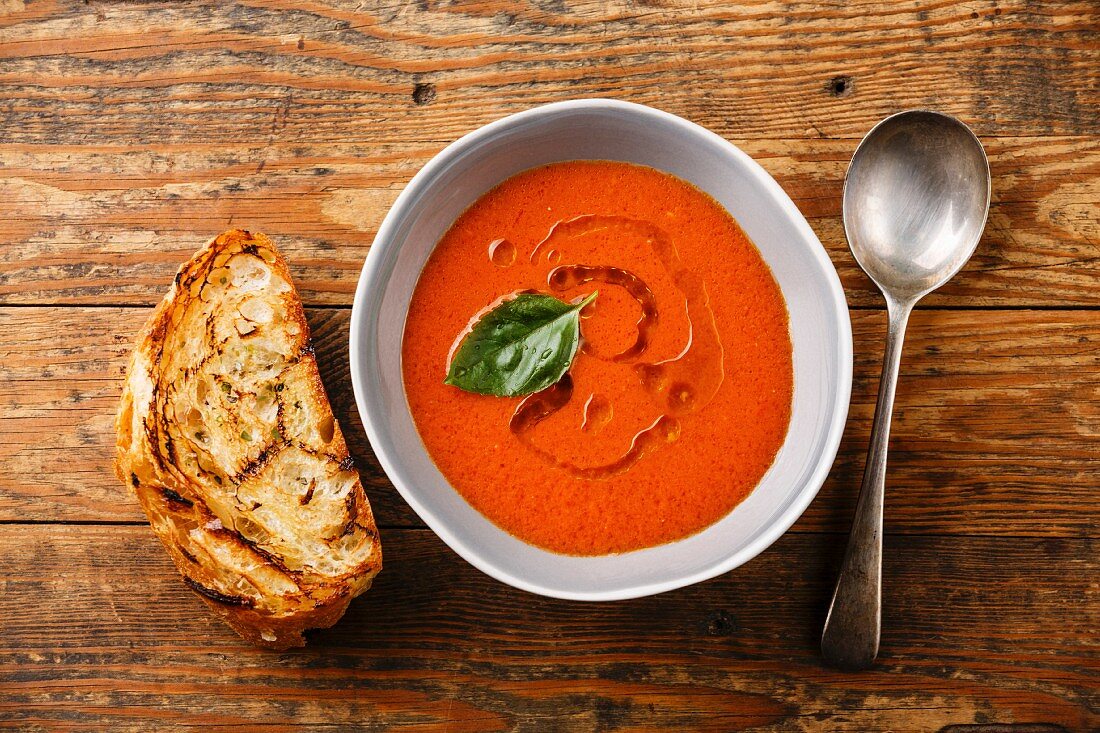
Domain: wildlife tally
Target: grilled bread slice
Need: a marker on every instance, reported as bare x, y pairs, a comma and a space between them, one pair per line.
227, 438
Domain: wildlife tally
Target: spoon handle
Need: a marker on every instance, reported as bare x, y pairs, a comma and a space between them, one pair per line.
851, 635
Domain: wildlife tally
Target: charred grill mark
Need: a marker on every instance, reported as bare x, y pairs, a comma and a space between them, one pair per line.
351, 502
152, 436
134, 480
205, 267
150, 425
310, 451
308, 496
280, 427
170, 447
256, 465
176, 497
267, 556
158, 432
186, 553
210, 337
187, 281
326, 595
233, 535
221, 532
193, 369
218, 596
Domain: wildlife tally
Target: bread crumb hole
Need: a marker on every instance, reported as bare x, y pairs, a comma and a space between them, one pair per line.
326, 428
249, 273
256, 310
194, 421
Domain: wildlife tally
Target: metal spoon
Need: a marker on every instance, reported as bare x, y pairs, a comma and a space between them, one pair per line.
916, 198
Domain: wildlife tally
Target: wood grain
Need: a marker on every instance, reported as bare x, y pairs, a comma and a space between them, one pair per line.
316, 71
980, 630
104, 224
130, 131
995, 429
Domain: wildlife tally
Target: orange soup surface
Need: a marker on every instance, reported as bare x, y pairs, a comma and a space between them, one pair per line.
679, 396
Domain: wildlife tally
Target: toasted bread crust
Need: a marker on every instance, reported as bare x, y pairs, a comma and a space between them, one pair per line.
225, 451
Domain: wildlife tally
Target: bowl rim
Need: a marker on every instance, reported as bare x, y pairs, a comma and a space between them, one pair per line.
374, 424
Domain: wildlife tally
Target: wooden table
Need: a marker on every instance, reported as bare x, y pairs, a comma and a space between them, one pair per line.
130, 132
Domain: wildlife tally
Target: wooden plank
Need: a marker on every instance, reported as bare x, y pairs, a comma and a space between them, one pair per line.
107, 224
995, 432
129, 133
315, 71
100, 632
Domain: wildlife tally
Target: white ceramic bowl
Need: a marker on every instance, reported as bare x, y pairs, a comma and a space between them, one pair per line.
609, 130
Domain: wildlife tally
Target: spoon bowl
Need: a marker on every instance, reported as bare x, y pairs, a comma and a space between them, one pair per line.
915, 201
916, 198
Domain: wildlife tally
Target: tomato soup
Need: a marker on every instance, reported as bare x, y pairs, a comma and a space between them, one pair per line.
679, 396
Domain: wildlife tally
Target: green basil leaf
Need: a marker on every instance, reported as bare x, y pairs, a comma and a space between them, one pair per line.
522, 346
